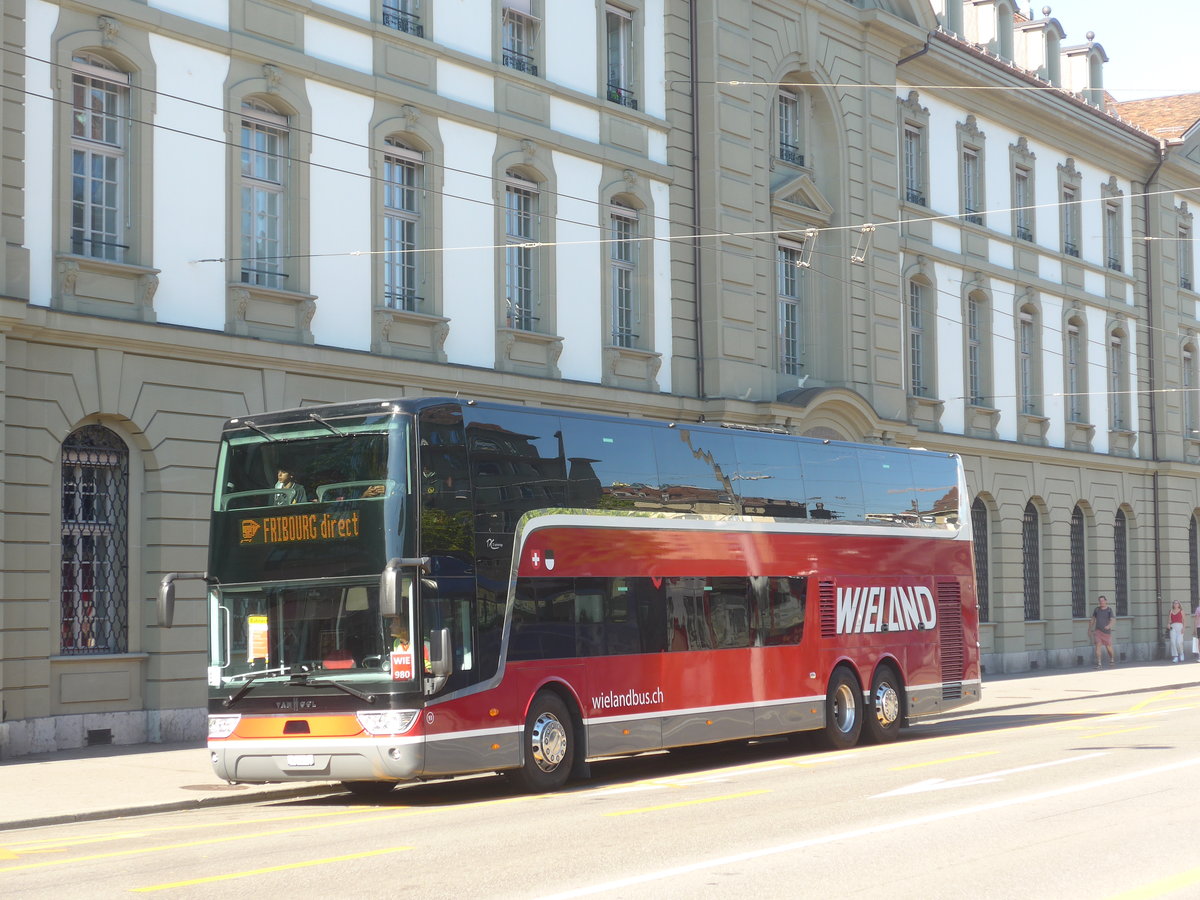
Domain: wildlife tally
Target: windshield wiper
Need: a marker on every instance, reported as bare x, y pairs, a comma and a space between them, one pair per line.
303, 679
332, 428
248, 684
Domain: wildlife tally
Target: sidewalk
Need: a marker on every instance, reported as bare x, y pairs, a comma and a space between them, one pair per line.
109, 782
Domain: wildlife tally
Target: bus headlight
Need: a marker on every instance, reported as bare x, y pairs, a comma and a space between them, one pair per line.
392, 721
222, 726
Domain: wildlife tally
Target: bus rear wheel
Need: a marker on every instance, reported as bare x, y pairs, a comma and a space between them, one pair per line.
843, 711
549, 746
886, 715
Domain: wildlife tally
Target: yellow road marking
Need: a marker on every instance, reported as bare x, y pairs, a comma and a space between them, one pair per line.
938, 762
1097, 734
1162, 887
645, 809
284, 868
1154, 699
208, 841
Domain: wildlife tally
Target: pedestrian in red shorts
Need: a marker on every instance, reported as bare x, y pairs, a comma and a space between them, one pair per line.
1100, 631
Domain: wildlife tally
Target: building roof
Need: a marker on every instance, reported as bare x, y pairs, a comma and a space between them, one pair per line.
1164, 117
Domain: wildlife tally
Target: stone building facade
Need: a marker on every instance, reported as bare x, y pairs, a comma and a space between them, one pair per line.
740, 211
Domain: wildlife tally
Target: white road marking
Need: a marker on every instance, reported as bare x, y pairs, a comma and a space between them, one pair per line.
940, 784
716, 862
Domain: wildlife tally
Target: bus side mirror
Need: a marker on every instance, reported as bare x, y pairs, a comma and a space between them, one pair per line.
441, 659
166, 595
394, 584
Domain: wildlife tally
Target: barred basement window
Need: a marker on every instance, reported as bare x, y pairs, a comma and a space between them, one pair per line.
95, 543
1031, 558
1078, 566
979, 527
1120, 551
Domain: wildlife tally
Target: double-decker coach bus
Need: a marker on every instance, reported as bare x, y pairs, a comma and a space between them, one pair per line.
418, 588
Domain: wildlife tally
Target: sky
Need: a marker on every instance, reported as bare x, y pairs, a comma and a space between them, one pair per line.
1151, 46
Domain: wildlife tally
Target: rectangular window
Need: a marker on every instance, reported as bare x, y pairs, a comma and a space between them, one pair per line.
520, 233
100, 97
791, 141
1185, 252
263, 167
1070, 221
1025, 344
1188, 383
1074, 376
1112, 235
622, 257
971, 187
1022, 202
790, 297
974, 355
519, 33
619, 56
916, 339
1116, 382
402, 176
401, 15
914, 165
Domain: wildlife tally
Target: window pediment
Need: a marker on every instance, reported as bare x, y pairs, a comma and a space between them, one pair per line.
800, 198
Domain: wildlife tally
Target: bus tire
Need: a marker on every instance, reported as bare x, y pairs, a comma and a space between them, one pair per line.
886, 713
369, 790
548, 746
843, 710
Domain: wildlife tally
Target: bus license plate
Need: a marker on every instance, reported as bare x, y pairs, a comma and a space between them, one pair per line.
300, 761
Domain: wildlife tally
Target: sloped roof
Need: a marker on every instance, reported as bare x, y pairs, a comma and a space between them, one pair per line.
1164, 117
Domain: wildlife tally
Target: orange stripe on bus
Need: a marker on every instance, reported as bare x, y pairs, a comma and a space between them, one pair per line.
318, 726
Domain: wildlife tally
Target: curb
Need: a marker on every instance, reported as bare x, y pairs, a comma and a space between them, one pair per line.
976, 711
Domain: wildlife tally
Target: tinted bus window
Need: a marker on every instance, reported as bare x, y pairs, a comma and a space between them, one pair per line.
543, 622
780, 610
768, 479
887, 485
518, 465
610, 465
727, 608
694, 470
833, 481
935, 480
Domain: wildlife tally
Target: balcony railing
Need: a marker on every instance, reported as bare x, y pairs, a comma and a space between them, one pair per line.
790, 153
912, 195
623, 337
1070, 249
402, 21
522, 62
1114, 263
623, 96
1024, 233
1185, 282
406, 301
970, 215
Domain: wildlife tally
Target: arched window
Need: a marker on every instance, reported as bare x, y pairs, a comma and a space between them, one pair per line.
792, 115
94, 595
1031, 562
264, 194
99, 157
1078, 564
1004, 31
402, 232
980, 537
1121, 562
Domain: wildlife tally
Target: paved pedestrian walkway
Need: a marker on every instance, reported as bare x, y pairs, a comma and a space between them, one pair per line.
109, 782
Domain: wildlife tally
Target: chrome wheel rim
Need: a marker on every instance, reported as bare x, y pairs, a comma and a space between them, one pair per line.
844, 714
549, 742
887, 704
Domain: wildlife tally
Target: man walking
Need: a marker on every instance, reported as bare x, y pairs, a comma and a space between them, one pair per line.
1100, 631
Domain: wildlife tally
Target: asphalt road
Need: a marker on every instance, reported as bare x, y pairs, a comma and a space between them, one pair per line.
1081, 798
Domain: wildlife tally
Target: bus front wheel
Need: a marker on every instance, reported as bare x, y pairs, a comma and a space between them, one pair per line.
843, 711
549, 746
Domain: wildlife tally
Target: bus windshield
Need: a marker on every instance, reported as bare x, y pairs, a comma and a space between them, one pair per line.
275, 632
310, 499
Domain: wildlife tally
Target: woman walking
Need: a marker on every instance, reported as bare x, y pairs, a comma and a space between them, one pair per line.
1176, 632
